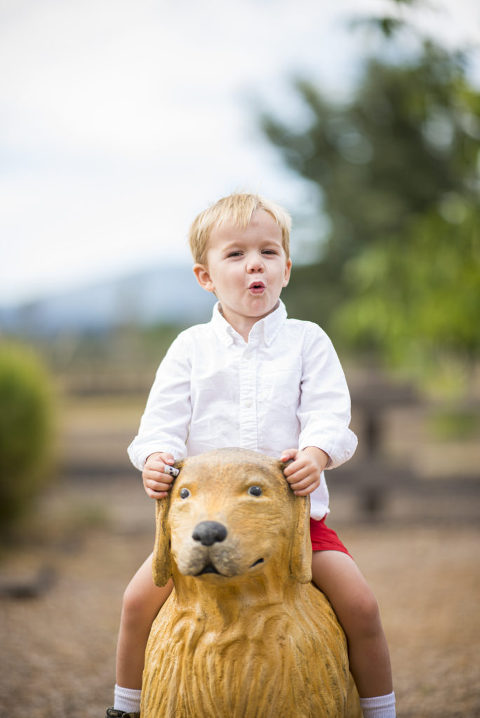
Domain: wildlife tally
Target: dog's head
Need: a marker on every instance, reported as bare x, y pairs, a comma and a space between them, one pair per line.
229, 513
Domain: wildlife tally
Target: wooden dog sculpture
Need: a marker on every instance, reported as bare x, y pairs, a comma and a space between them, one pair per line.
244, 634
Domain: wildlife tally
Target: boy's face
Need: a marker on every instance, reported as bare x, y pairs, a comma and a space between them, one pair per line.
246, 269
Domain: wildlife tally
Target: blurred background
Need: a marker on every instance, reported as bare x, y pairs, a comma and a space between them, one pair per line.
120, 122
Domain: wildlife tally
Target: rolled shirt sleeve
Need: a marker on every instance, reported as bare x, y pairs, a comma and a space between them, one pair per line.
165, 422
324, 409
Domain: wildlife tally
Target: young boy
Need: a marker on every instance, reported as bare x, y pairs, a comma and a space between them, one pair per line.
254, 379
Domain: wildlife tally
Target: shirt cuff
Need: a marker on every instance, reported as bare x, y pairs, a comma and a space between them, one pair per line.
139, 455
339, 446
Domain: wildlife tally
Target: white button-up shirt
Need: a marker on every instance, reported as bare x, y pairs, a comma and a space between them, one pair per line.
282, 389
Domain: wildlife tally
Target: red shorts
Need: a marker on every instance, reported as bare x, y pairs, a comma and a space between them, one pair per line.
324, 538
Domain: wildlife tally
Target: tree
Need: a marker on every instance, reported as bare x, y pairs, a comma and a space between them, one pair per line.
398, 168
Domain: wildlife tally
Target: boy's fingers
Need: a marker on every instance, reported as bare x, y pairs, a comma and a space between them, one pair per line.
155, 489
158, 474
157, 465
156, 494
288, 454
302, 488
158, 461
296, 470
302, 482
303, 492
302, 471
156, 485
291, 468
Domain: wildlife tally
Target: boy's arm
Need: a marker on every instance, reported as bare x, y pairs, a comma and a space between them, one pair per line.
166, 419
324, 409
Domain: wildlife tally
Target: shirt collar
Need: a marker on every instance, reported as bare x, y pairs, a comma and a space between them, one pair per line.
265, 329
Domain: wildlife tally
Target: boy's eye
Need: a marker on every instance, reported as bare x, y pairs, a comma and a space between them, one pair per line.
254, 490
236, 253
269, 251
184, 494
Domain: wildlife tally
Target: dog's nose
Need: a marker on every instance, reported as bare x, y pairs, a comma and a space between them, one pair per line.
209, 532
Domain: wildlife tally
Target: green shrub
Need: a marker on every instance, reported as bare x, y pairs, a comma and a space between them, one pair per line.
26, 431
455, 424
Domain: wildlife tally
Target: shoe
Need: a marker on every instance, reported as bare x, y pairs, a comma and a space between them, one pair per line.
113, 713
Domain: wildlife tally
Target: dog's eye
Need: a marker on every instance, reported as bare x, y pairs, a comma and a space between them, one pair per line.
254, 491
184, 494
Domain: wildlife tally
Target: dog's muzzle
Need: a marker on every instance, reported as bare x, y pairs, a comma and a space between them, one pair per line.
211, 549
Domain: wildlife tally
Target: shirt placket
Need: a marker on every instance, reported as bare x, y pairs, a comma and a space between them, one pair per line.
248, 404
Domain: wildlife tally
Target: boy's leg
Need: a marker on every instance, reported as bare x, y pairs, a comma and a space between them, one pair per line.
337, 575
142, 601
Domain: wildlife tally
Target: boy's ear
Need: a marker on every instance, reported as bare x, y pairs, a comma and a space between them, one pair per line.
203, 277
288, 269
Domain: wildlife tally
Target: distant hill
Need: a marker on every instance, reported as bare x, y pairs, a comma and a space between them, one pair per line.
167, 295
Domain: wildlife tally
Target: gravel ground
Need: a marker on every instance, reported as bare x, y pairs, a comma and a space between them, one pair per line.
57, 650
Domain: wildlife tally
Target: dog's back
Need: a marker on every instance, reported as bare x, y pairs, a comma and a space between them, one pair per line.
245, 634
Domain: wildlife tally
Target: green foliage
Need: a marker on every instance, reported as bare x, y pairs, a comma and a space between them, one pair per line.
455, 423
25, 431
398, 168
418, 301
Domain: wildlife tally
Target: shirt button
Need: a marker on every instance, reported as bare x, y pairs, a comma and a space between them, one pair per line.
248, 404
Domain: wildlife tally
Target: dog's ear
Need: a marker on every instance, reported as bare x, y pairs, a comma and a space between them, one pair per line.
162, 562
301, 553
301, 548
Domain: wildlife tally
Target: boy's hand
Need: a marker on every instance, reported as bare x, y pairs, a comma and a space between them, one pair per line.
303, 474
155, 482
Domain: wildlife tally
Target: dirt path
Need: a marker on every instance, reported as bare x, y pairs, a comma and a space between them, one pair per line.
57, 651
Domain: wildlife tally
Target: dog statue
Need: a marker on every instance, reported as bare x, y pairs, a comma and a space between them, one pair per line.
244, 634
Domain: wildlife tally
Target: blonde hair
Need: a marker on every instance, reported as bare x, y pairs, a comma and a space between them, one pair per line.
238, 209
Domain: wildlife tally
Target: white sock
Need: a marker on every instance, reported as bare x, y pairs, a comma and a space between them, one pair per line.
379, 706
127, 699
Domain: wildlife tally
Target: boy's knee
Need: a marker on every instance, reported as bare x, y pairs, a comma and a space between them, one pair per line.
364, 614
134, 605
141, 603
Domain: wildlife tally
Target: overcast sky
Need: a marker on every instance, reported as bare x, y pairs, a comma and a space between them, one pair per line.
120, 120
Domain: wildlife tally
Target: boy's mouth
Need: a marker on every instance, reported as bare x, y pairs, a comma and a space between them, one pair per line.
256, 287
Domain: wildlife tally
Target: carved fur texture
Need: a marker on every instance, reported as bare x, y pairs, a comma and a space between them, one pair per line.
245, 634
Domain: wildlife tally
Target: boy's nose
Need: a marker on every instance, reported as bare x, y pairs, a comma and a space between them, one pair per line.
254, 265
